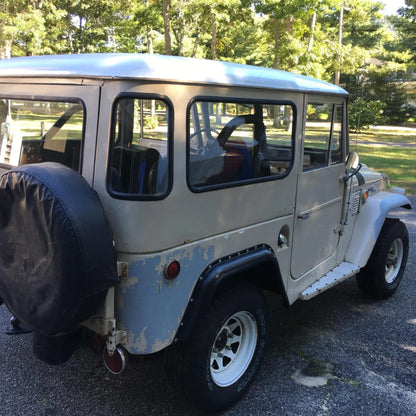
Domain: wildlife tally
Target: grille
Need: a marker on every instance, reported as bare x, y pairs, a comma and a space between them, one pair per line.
355, 203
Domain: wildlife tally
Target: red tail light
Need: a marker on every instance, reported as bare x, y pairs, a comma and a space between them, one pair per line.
172, 270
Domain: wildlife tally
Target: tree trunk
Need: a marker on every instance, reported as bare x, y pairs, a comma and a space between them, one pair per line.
149, 36
289, 30
6, 50
196, 44
276, 63
69, 31
213, 35
166, 25
313, 24
149, 39
181, 30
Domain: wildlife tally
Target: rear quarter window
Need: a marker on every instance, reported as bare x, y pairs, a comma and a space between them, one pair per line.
34, 131
139, 161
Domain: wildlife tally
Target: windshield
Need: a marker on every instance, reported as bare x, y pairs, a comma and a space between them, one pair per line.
34, 131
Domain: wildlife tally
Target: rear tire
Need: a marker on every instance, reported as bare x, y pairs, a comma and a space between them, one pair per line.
384, 270
215, 369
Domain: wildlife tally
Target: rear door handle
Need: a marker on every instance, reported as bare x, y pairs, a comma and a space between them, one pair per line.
304, 216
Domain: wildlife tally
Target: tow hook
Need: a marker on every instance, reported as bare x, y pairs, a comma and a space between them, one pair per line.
114, 355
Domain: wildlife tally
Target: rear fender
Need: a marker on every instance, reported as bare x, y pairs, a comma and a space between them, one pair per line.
257, 265
369, 223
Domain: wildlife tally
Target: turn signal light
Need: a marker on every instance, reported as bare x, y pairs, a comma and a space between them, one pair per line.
172, 270
365, 196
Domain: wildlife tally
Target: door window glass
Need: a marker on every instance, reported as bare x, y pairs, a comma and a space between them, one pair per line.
323, 135
235, 142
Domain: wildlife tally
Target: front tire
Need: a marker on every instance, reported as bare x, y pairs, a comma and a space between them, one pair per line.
215, 369
384, 270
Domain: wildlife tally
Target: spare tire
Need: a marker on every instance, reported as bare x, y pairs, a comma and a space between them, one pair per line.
57, 258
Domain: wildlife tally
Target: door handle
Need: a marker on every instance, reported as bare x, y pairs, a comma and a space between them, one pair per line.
304, 216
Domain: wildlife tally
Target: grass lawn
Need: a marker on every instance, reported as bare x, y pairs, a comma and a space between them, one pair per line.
398, 163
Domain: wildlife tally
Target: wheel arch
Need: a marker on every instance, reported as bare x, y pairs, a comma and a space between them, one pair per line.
257, 265
369, 223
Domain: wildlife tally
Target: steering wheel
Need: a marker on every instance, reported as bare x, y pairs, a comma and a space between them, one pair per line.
198, 148
229, 128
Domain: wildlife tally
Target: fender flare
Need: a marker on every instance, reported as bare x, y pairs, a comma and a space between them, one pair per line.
369, 222
223, 271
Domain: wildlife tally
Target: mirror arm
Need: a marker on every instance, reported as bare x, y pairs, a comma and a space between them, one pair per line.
347, 176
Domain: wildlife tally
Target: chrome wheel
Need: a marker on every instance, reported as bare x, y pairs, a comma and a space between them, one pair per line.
233, 348
394, 261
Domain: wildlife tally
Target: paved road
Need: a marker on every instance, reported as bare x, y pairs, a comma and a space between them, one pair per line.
362, 352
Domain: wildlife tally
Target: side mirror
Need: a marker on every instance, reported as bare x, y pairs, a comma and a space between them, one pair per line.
352, 166
353, 162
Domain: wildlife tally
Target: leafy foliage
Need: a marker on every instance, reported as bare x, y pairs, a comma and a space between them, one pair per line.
319, 38
363, 114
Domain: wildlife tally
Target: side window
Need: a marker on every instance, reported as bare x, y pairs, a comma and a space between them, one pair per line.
323, 135
336, 139
139, 152
41, 131
234, 142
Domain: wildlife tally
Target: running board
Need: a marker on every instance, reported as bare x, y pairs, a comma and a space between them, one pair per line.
332, 278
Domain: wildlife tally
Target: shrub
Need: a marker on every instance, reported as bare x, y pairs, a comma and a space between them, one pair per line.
363, 114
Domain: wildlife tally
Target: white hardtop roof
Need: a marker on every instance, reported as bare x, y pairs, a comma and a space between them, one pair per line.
161, 68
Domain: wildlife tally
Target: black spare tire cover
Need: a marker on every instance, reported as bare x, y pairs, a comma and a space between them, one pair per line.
57, 259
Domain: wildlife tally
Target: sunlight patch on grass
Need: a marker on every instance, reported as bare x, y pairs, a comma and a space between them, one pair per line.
398, 164
388, 136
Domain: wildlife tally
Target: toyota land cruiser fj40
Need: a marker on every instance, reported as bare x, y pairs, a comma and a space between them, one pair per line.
150, 200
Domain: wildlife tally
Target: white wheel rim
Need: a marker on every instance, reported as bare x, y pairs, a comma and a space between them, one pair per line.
233, 349
394, 261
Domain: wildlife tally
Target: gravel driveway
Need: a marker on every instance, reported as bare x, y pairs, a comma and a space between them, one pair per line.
340, 353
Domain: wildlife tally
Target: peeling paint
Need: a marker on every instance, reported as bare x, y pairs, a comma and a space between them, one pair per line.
157, 305
151, 308
159, 345
125, 284
139, 343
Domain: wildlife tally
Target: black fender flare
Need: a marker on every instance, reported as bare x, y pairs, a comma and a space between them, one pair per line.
227, 271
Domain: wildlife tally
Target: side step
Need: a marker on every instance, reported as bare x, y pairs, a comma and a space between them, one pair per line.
335, 276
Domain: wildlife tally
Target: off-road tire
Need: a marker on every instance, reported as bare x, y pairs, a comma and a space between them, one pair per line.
384, 270
236, 324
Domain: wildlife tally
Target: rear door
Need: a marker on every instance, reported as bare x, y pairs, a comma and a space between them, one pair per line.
319, 191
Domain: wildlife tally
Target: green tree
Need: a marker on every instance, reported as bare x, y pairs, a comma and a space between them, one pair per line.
364, 113
209, 28
23, 27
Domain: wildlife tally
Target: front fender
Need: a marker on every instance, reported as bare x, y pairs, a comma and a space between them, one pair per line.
369, 223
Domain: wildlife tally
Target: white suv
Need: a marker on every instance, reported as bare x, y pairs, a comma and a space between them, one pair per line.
150, 200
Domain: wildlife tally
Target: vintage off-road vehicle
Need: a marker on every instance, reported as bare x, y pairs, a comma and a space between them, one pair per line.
151, 200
